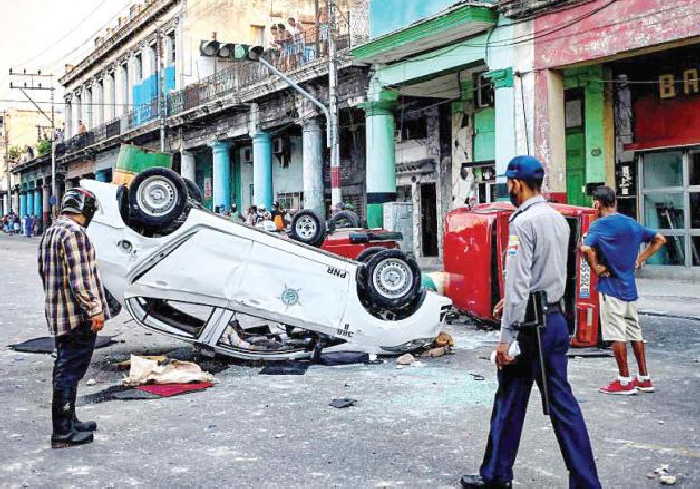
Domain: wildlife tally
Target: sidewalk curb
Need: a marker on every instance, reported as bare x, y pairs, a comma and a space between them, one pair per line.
664, 314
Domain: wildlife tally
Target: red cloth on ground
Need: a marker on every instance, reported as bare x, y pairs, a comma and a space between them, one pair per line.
167, 390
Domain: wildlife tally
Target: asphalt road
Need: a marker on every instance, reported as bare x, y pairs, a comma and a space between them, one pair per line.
412, 427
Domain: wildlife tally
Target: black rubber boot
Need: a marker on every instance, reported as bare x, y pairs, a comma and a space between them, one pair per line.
62, 413
83, 427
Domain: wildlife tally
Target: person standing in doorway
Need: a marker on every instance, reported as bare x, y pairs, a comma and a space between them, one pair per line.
536, 262
75, 309
612, 250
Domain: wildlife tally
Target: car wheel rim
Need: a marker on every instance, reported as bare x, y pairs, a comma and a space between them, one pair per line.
306, 228
392, 278
157, 196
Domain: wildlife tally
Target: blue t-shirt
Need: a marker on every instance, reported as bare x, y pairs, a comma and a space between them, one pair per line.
617, 238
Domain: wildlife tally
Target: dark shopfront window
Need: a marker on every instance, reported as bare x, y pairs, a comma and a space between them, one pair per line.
670, 203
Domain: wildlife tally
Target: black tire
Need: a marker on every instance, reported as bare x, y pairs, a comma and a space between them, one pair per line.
385, 266
193, 190
368, 253
344, 220
123, 201
157, 197
308, 228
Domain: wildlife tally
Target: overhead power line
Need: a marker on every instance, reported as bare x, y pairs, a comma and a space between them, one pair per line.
62, 38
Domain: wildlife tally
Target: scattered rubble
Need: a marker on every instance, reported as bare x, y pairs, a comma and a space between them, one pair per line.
342, 402
662, 474
406, 359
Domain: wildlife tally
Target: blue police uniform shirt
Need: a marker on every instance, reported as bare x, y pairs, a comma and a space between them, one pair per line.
617, 239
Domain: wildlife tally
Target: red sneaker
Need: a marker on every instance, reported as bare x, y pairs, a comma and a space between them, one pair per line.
644, 385
615, 387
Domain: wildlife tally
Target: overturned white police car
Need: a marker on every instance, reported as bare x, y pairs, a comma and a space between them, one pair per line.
231, 289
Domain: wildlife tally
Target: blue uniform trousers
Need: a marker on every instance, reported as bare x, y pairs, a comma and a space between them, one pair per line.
510, 405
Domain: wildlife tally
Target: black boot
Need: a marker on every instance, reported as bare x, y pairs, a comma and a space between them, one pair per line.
475, 481
78, 425
62, 413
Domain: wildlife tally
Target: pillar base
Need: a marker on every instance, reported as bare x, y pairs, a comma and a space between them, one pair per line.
375, 216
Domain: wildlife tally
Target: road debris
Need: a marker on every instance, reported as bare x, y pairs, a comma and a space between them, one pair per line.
661, 473
161, 359
437, 352
406, 359
668, 480
444, 339
168, 390
343, 402
146, 371
45, 344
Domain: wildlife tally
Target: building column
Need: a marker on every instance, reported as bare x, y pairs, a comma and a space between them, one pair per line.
68, 114
187, 165
381, 157
76, 116
505, 137
101, 175
550, 131
45, 207
22, 204
262, 170
29, 202
221, 175
6, 202
37, 201
313, 166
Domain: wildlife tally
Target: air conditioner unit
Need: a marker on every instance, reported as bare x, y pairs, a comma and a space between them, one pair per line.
247, 155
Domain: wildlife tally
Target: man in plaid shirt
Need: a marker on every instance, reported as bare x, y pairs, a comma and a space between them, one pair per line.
75, 309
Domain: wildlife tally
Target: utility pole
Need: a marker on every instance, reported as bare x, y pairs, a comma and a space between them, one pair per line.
7, 163
161, 87
336, 189
51, 89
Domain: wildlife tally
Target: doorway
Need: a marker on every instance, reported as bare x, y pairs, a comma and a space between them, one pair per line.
575, 148
429, 219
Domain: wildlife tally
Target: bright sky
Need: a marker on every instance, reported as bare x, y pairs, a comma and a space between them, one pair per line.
46, 34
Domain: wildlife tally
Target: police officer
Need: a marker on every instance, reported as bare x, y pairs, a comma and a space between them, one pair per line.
536, 261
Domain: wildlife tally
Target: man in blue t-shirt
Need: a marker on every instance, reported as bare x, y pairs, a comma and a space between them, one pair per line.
612, 249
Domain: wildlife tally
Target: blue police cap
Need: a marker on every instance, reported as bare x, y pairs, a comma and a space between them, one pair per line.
525, 167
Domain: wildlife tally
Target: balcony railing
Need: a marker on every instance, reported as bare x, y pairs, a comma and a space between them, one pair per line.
294, 52
528, 8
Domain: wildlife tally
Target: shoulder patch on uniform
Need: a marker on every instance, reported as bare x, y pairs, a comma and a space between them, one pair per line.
513, 245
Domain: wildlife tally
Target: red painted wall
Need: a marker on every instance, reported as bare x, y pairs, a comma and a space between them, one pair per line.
659, 123
623, 26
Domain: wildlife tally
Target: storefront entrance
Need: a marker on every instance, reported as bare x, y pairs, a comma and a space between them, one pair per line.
670, 203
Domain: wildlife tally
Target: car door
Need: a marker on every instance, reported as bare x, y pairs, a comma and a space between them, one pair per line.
249, 271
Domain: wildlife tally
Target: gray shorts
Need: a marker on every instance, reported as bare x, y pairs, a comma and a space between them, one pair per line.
619, 320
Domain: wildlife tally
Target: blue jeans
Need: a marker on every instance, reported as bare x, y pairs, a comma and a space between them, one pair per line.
73, 355
511, 400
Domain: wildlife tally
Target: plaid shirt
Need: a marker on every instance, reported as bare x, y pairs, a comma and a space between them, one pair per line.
72, 284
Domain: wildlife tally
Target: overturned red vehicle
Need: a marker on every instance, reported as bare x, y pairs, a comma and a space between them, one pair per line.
475, 244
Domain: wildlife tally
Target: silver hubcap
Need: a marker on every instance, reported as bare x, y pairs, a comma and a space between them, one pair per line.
157, 196
306, 228
392, 278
